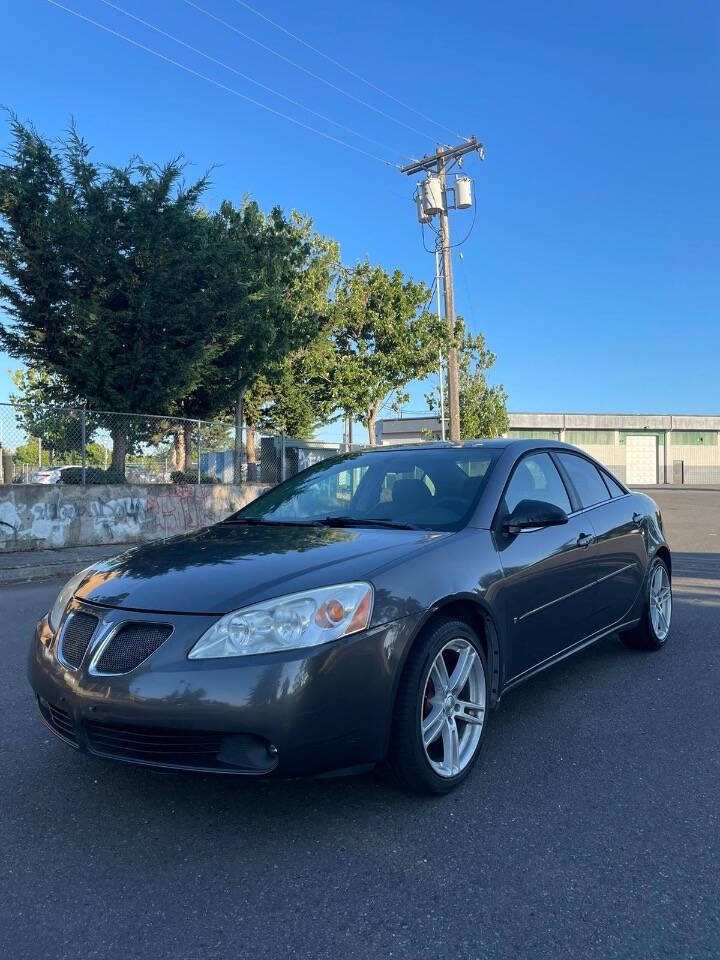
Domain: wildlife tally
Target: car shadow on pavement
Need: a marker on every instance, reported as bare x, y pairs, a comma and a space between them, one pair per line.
523, 712
696, 564
548, 715
696, 579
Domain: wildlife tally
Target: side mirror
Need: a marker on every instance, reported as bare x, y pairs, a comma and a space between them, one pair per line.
531, 514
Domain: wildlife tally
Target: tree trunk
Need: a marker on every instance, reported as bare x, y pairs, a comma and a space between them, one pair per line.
119, 452
250, 443
239, 418
187, 447
178, 451
371, 419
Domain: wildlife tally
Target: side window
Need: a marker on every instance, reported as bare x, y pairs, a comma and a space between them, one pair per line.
585, 478
535, 478
613, 486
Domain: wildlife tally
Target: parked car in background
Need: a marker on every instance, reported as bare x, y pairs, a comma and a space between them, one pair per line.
369, 610
53, 474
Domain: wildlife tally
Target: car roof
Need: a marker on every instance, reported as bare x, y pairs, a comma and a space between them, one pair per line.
498, 443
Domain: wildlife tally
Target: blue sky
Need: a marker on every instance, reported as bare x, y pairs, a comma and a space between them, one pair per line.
594, 266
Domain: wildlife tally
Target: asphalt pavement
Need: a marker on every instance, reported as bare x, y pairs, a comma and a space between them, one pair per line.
589, 829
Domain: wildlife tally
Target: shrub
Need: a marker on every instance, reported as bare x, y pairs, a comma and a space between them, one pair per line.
190, 476
92, 475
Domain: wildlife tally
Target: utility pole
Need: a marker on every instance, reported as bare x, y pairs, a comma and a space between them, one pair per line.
440, 367
449, 293
438, 166
347, 433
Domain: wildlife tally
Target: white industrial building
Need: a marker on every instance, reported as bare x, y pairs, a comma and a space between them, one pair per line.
639, 448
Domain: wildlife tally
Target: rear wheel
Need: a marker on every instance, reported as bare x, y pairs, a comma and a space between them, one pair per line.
439, 720
654, 628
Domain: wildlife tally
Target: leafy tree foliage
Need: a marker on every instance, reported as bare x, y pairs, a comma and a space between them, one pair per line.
123, 294
483, 408
129, 295
46, 409
32, 453
279, 271
384, 337
109, 276
297, 395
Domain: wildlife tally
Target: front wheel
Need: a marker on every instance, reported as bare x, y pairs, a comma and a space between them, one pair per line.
439, 719
654, 628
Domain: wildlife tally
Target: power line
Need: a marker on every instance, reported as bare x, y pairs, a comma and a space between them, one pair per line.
222, 86
347, 70
459, 243
245, 76
315, 76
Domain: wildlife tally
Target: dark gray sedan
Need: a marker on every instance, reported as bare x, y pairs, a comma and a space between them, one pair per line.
368, 611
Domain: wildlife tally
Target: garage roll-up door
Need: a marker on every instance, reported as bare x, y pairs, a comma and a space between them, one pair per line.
641, 459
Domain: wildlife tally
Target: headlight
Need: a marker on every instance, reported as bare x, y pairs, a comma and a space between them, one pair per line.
64, 598
298, 620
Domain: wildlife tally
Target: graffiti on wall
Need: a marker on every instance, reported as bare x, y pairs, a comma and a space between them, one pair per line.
99, 515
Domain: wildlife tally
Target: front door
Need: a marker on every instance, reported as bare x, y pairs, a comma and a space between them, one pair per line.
547, 590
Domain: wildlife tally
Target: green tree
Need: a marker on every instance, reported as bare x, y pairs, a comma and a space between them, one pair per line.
297, 395
96, 455
483, 408
109, 277
46, 409
32, 453
384, 337
276, 282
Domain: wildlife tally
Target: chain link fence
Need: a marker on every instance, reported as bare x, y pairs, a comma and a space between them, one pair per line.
42, 444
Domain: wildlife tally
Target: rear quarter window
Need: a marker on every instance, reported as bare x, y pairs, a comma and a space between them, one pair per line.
586, 479
613, 486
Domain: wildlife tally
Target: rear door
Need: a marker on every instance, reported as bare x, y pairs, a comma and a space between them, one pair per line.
618, 551
546, 593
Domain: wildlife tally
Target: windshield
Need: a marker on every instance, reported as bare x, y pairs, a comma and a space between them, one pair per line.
431, 489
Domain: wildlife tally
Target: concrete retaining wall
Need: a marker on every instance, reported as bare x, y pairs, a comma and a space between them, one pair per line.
38, 516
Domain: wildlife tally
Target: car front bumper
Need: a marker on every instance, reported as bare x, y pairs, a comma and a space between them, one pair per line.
296, 713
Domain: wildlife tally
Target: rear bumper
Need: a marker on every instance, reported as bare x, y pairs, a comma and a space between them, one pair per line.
298, 713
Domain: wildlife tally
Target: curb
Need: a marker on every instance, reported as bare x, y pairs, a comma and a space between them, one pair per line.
31, 573
16, 568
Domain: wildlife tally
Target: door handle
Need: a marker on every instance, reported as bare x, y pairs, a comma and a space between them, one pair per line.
584, 540
637, 519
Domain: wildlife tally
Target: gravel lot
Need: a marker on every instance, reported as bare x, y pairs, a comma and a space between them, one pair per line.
588, 830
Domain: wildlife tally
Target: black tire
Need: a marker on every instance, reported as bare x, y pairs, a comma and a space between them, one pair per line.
644, 636
407, 765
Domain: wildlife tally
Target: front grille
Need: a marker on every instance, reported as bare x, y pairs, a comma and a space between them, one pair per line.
76, 636
183, 748
59, 719
133, 643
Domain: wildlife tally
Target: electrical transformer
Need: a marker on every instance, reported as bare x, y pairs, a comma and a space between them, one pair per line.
433, 200
463, 192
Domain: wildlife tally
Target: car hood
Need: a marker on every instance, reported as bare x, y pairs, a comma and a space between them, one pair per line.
227, 566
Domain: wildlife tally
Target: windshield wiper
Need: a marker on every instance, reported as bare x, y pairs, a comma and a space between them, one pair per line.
260, 521
324, 522
366, 522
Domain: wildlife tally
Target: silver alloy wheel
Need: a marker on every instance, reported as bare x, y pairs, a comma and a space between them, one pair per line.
660, 602
453, 708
